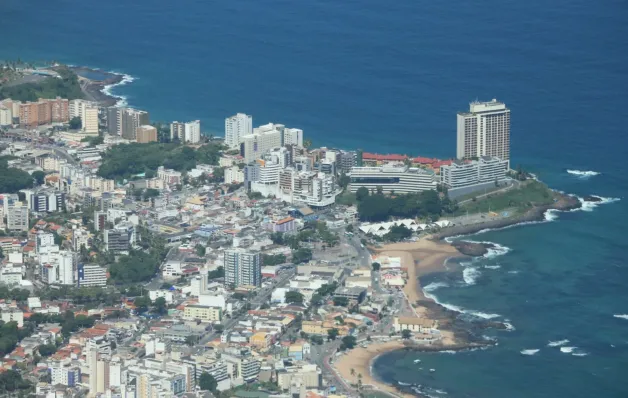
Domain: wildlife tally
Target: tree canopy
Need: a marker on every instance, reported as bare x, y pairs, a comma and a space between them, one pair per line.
124, 161
67, 86
12, 179
379, 207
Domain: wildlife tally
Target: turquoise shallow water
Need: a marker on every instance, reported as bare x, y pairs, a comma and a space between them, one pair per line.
390, 76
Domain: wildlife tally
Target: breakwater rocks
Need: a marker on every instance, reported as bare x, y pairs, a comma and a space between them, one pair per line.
535, 214
472, 249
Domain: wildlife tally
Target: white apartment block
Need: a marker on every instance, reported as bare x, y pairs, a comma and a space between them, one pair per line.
236, 127
293, 137
17, 217
12, 315
88, 112
484, 131
234, 175
394, 177
189, 132
257, 144
242, 267
485, 170
6, 116
91, 275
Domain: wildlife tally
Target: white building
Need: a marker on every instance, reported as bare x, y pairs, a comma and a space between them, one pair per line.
12, 315
66, 267
91, 275
189, 132
242, 267
257, 144
484, 131
11, 275
393, 177
234, 175
293, 137
166, 294
6, 116
236, 127
486, 170
17, 217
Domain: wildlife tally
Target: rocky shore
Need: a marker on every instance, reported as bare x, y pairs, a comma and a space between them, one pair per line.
94, 90
565, 203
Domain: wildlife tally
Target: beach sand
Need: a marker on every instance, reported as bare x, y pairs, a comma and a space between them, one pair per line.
419, 258
359, 359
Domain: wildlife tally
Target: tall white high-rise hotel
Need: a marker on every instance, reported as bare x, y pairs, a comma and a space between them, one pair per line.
484, 131
236, 127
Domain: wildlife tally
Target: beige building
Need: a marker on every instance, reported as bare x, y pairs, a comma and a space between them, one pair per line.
203, 313
413, 324
309, 375
146, 134
484, 131
6, 115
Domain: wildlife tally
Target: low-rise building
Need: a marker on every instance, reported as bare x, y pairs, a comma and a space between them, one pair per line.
203, 313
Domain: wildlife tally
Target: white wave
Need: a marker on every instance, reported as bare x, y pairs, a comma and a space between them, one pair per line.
401, 383
589, 205
434, 286
567, 350
509, 326
496, 250
493, 266
482, 315
470, 275
621, 316
122, 100
551, 215
513, 272
583, 174
579, 354
529, 352
450, 307
448, 352
557, 343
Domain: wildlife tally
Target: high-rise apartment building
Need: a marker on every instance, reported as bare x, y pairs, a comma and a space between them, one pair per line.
236, 127
44, 111
189, 132
293, 137
87, 111
146, 134
484, 131
257, 144
242, 267
17, 217
125, 121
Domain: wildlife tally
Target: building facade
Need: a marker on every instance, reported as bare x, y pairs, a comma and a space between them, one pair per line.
397, 178
484, 131
242, 268
485, 170
236, 127
146, 134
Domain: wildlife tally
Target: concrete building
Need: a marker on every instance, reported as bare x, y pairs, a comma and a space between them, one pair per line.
44, 111
6, 116
234, 175
293, 137
202, 313
413, 324
87, 111
120, 238
65, 374
169, 176
394, 177
12, 315
242, 267
17, 217
484, 131
236, 127
189, 132
146, 134
125, 121
465, 177
255, 145
91, 275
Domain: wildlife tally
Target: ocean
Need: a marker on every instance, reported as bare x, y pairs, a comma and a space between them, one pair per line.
390, 77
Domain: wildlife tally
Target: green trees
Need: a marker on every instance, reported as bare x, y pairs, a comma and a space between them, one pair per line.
11, 179
294, 297
76, 123
348, 342
406, 334
207, 382
361, 193
138, 266
67, 86
398, 233
200, 250
332, 334
124, 161
47, 350
217, 273
379, 207
302, 255
341, 301
142, 303
10, 381
39, 177
160, 305
274, 259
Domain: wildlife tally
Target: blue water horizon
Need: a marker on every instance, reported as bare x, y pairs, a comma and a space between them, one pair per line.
389, 78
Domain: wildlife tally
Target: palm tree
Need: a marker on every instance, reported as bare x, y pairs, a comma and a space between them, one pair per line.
352, 372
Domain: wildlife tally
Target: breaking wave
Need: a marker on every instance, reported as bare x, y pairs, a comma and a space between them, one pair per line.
583, 174
557, 343
529, 352
621, 316
121, 99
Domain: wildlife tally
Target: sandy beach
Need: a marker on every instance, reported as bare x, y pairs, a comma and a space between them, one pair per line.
359, 359
419, 258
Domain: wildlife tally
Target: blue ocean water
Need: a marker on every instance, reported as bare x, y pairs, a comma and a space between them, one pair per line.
389, 77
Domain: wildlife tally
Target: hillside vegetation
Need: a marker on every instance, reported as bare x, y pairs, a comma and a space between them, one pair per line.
65, 87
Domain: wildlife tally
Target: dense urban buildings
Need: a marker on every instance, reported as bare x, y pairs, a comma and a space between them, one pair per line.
393, 178
484, 131
33, 114
236, 127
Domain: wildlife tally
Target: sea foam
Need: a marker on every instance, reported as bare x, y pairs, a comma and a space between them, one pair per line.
470, 275
567, 350
557, 343
529, 352
434, 286
589, 206
621, 316
492, 266
121, 99
583, 174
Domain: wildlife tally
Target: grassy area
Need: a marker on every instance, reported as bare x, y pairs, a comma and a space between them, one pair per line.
531, 193
67, 86
346, 198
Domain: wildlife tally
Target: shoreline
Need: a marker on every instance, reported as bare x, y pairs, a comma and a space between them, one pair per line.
426, 256
100, 90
